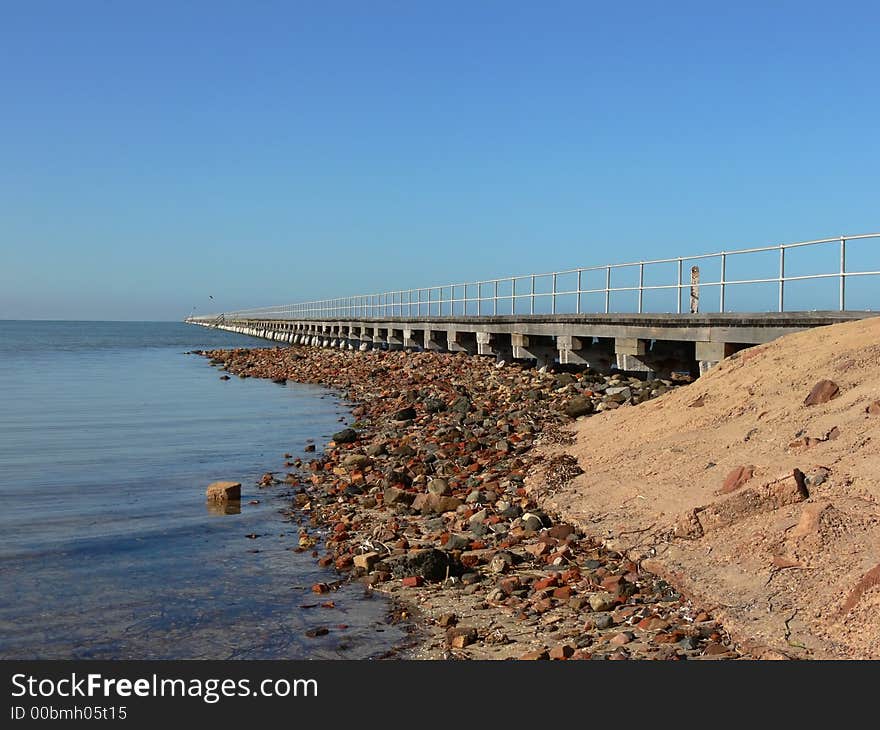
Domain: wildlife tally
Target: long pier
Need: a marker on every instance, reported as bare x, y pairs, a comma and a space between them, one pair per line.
649, 344
542, 317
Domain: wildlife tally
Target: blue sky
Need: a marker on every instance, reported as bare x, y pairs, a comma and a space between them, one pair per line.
153, 154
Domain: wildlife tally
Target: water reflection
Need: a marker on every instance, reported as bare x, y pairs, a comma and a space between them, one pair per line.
231, 507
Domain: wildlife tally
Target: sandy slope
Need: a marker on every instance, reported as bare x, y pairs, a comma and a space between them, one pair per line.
784, 576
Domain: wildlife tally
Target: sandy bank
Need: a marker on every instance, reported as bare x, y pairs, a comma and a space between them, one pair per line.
760, 505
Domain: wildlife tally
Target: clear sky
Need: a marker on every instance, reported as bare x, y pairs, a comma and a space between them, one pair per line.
153, 154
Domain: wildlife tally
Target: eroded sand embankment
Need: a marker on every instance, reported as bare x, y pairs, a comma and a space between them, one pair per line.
759, 502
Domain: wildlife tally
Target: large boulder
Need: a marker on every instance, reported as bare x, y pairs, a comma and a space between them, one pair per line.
345, 436
430, 564
579, 406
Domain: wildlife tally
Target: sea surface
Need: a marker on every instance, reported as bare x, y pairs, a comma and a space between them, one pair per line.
109, 436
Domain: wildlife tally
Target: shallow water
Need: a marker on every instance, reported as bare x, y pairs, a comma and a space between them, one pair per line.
109, 434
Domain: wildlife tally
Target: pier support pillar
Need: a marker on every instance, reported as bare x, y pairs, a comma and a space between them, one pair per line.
435, 340
583, 351
709, 354
413, 338
395, 339
457, 341
630, 355
542, 349
496, 345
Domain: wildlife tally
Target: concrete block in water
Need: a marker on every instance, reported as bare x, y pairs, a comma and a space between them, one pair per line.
223, 491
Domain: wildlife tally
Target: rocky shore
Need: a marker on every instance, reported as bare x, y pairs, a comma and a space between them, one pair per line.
423, 497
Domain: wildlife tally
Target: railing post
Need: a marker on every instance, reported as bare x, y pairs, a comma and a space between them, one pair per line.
842, 273
495, 298
678, 289
532, 301
782, 278
553, 297
577, 306
723, 272
607, 289
641, 283
513, 296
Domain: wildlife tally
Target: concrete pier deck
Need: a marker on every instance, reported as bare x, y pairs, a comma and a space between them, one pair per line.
637, 343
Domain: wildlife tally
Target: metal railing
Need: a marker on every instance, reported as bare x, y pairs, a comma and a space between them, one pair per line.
565, 291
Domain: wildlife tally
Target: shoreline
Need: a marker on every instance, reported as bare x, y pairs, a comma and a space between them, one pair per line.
424, 499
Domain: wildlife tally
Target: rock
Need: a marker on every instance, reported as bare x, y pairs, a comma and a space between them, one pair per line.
578, 406
822, 392
461, 636
561, 651
602, 601
810, 520
624, 637
602, 621
873, 409
345, 436
405, 414
433, 504
715, 649
560, 532
321, 631
620, 394
308, 448
538, 549
430, 564
320, 588
456, 542
376, 449
440, 487
737, 478
532, 522
356, 461
502, 561
412, 581
434, 405
225, 377
223, 491
536, 655
447, 620
366, 561
653, 623
393, 495
564, 379
476, 519
819, 477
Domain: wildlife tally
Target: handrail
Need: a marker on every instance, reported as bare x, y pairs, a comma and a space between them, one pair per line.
442, 300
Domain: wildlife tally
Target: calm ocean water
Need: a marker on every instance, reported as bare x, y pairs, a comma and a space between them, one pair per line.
109, 435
